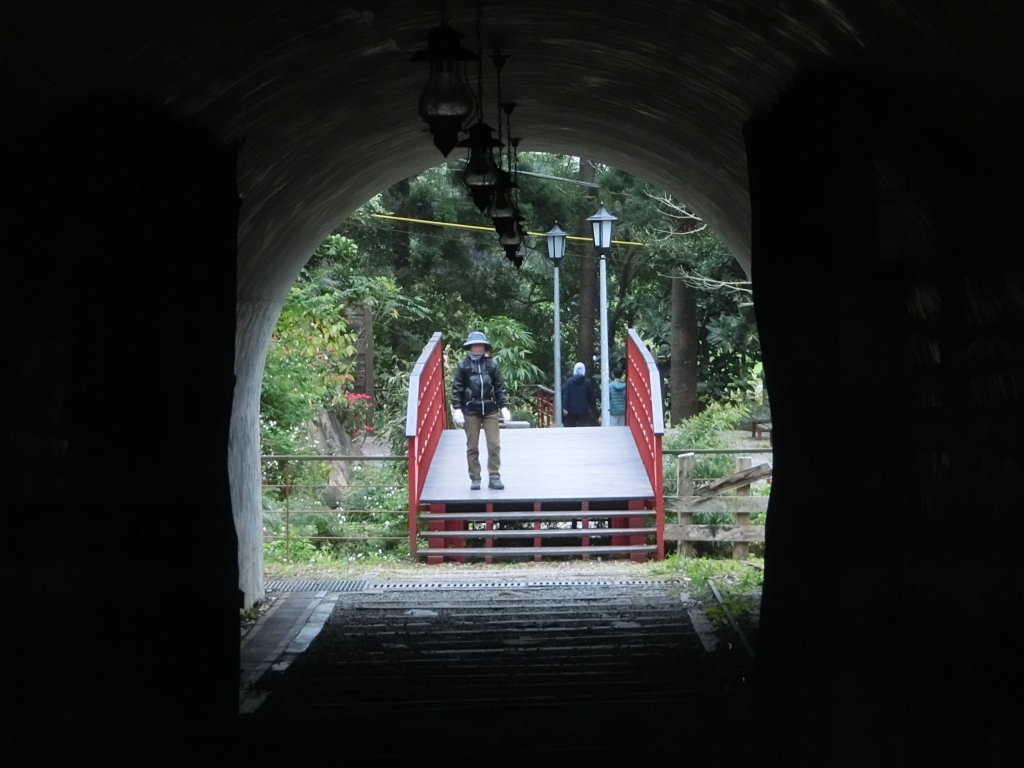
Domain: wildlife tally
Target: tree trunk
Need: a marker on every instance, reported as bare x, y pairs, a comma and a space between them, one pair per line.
402, 237
328, 438
588, 284
401, 259
360, 322
683, 380
618, 316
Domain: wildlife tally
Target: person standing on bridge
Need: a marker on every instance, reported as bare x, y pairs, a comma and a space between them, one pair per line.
577, 398
617, 399
478, 393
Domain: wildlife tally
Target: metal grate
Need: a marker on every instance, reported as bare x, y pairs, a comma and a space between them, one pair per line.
358, 585
310, 585
451, 585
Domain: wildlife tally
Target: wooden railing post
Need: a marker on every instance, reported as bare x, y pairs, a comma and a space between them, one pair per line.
684, 488
741, 549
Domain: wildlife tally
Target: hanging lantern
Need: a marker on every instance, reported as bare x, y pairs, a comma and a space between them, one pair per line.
447, 100
480, 176
512, 241
502, 211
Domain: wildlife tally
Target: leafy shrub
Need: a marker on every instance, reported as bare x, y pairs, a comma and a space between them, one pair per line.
525, 415
375, 505
703, 431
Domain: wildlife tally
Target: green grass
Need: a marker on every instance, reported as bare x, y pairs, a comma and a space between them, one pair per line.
739, 583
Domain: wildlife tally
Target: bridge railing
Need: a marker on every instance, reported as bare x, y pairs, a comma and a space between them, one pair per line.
646, 420
426, 418
545, 406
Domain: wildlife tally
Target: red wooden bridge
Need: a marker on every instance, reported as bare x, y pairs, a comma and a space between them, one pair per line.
581, 492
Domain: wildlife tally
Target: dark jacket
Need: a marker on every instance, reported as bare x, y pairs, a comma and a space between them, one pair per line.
478, 386
578, 395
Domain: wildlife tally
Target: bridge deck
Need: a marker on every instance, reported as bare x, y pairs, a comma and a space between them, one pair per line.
583, 463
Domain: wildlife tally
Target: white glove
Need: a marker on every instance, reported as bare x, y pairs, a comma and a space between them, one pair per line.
506, 415
459, 418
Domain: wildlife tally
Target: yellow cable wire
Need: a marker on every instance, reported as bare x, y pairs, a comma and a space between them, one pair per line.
485, 229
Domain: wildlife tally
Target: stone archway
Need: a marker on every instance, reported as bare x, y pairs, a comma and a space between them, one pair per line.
891, 130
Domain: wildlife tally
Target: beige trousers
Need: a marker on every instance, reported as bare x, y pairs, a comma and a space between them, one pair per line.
492, 433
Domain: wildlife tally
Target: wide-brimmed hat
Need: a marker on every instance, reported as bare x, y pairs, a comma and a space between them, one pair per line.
476, 337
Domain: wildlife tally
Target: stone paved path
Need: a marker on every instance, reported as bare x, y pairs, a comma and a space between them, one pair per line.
505, 673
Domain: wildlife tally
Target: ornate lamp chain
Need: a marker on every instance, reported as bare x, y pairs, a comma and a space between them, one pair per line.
497, 65
479, 63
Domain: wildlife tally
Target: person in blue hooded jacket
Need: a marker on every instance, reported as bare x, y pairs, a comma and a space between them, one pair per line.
578, 398
478, 394
617, 399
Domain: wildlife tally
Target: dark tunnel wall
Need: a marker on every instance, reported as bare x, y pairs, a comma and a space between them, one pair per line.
883, 196
892, 326
119, 608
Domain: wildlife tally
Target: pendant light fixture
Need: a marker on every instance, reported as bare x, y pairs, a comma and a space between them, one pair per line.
447, 100
447, 105
480, 175
512, 239
502, 210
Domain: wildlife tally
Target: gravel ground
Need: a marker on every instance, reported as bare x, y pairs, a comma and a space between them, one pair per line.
404, 569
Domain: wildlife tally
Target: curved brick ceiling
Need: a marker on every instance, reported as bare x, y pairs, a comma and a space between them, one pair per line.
324, 98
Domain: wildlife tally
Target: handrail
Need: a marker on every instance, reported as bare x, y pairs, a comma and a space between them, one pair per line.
412, 402
545, 406
646, 420
425, 419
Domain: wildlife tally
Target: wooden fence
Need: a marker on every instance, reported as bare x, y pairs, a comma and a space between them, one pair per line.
686, 503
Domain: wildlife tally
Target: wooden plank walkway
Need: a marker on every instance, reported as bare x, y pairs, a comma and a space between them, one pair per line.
582, 463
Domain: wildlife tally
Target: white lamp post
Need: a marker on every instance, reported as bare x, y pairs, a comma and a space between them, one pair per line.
602, 223
556, 250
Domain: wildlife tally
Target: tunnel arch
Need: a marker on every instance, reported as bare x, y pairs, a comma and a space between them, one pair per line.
275, 258
653, 108
902, 115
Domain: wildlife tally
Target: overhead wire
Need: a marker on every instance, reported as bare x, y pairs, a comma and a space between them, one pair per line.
612, 257
476, 227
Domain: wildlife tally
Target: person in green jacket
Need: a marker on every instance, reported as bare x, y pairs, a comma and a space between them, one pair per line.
617, 399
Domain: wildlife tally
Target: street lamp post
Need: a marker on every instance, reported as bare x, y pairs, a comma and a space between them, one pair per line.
602, 223
556, 250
